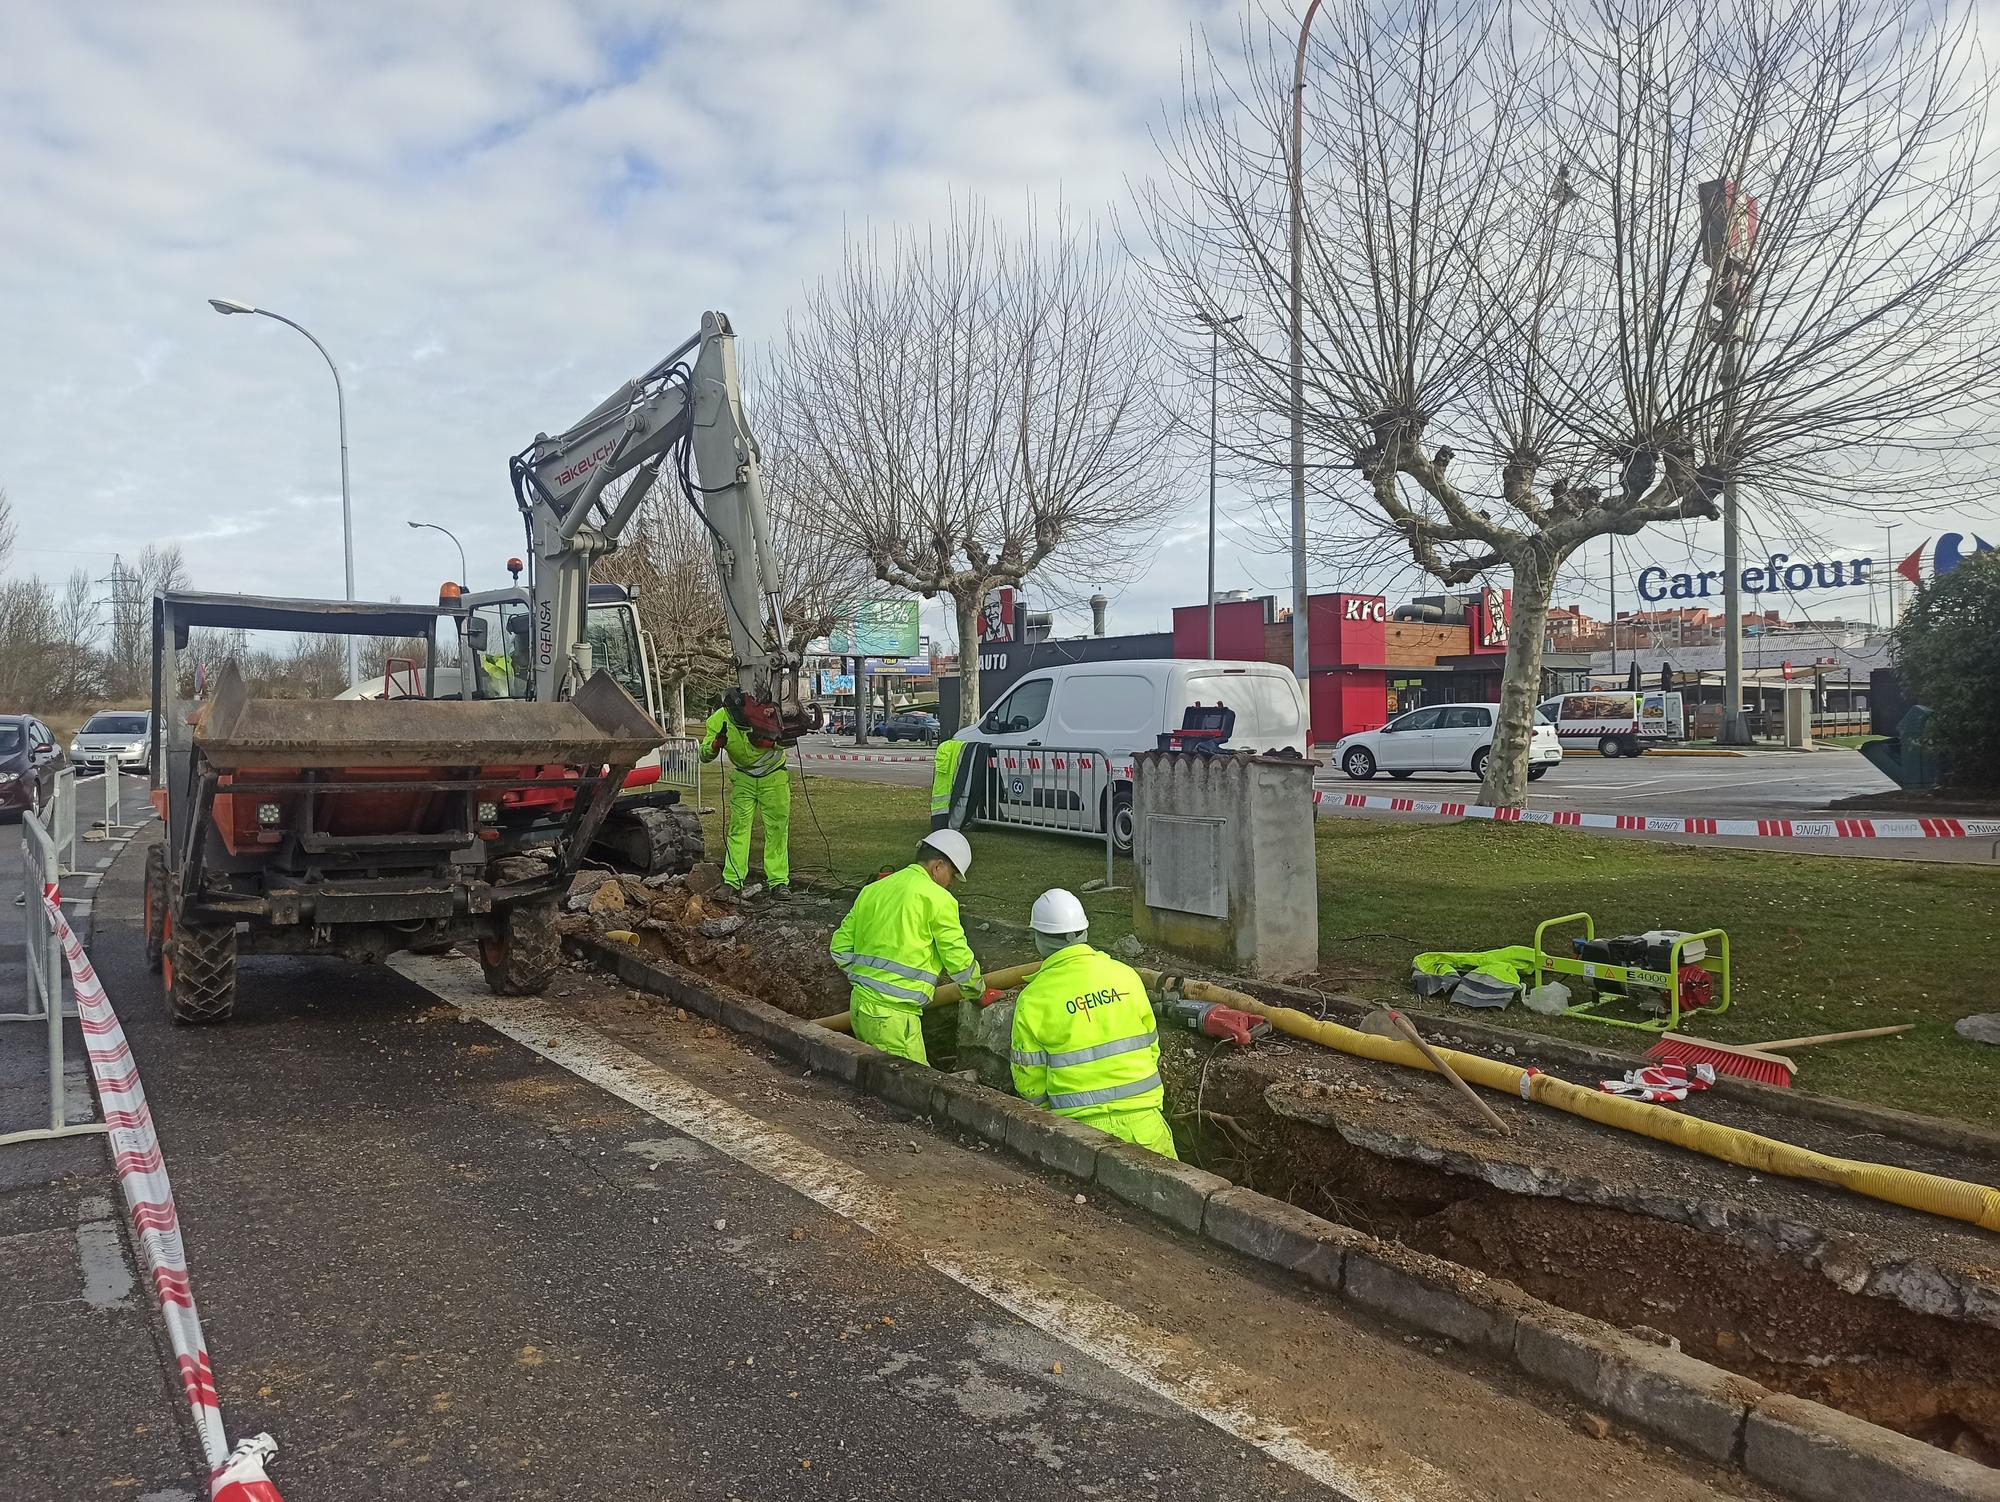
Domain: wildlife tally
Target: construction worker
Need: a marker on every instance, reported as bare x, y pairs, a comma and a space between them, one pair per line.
758, 783
1084, 1042
902, 937
944, 769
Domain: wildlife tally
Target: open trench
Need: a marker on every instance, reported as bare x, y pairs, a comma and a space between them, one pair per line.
1754, 1305
1764, 1314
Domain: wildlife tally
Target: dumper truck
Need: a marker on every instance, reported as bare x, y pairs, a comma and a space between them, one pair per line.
360, 828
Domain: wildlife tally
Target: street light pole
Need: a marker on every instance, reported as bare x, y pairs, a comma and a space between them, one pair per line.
1214, 350
463, 581
228, 305
1301, 649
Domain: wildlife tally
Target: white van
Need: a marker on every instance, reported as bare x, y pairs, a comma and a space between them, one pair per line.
1062, 739
1621, 722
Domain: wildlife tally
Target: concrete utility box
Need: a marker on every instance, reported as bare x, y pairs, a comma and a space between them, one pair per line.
1798, 717
1223, 850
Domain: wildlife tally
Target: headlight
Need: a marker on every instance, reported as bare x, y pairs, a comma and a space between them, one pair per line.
75, 749
488, 812
268, 815
137, 748
8, 778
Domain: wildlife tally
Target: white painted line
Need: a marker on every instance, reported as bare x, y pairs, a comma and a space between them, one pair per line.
104, 863
1087, 1324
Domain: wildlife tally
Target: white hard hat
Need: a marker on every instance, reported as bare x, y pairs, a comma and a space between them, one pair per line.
953, 846
1058, 912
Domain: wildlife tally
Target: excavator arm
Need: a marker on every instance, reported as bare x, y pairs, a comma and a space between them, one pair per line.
684, 414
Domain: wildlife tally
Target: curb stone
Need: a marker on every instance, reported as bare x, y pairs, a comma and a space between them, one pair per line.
1694, 1405
1800, 1448
1284, 1235
1177, 1193
1808, 1450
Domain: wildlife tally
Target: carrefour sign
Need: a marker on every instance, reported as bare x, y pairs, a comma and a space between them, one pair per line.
1778, 573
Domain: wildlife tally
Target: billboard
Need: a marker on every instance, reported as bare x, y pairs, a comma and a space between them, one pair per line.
875, 628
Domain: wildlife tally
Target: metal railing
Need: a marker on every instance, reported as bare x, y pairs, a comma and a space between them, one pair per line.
42, 872
62, 820
1062, 789
680, 767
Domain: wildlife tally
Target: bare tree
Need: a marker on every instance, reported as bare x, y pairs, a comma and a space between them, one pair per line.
1575, 270
7, 530
79, 668
976, 406
30, 670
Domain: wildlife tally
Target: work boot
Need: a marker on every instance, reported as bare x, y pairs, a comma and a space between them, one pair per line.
778, 895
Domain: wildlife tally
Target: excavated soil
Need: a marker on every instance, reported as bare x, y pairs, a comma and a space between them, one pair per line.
1887, 1314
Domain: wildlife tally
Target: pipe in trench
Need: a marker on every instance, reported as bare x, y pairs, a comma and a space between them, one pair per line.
1934, 1194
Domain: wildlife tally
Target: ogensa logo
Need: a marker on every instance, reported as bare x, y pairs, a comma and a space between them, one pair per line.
1090, 999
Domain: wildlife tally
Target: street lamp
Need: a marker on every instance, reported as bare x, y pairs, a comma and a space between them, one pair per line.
1301, 652
463, 582
1214, 349
228, 305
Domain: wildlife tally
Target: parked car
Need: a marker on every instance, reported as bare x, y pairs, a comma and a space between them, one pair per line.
28, 764
909, 727
1440, 738
1112, 711
1619, 722
124, 733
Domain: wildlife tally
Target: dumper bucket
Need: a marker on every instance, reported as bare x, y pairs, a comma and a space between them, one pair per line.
601, 726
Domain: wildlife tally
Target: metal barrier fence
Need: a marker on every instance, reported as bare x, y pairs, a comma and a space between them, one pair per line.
42, 872
62, 820
114, 776
1062, 789
680, 767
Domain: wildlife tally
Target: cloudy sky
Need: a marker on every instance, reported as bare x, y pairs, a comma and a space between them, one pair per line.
492, 215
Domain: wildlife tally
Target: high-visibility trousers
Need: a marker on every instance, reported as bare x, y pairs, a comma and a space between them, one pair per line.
749, 796
1148, 1127
882, 1025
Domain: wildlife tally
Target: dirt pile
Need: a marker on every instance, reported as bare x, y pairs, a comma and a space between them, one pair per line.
775, 951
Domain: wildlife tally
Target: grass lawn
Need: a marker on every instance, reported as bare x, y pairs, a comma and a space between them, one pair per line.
1819, 944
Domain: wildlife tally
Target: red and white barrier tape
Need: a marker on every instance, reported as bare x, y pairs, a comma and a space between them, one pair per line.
1765, 829
901, 761
149, 1200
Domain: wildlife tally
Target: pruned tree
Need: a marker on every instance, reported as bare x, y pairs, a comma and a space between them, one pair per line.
1576, 270
975, 406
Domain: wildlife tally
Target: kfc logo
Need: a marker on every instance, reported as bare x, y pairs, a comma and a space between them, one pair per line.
1364, 608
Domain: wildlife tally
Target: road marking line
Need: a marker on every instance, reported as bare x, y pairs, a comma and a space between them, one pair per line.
1091, 1326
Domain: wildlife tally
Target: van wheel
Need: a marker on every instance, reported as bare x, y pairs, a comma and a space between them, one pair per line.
1358, 764
1121, 820
1610, 747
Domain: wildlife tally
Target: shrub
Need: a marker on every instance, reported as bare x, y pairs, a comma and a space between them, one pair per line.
1947, 650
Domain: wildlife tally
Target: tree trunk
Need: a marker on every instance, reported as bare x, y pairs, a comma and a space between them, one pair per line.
969, 605
1505, 784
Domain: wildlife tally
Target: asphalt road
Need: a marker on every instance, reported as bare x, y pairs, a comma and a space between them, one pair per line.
447, 1245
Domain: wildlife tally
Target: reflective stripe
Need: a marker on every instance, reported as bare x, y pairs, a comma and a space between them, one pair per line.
1087, 1055
889, 988
962, 976
1101, 1097
842, 958
771, 761
894, 967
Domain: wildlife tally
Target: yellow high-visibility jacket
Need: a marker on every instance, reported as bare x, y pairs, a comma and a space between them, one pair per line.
1084, 1042
901, 937
752, 761
944, 767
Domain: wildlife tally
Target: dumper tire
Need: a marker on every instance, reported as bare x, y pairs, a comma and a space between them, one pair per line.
156, 907
520, 960
198, 970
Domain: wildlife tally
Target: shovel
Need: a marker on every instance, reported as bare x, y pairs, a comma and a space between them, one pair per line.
1390, 1023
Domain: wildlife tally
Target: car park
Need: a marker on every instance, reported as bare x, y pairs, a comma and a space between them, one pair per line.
124, 733
1440, 738
28, 764
1025, 773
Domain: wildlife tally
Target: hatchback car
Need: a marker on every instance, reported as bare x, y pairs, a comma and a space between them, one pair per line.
124, 733
1440, 738
28, 764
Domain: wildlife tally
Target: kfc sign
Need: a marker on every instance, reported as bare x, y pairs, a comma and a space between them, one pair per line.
1363, 608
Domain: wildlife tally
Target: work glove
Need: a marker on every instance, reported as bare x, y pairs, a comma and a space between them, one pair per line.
718, 741
989, 996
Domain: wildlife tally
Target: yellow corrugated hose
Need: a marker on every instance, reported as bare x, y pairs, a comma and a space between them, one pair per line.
1929, 1192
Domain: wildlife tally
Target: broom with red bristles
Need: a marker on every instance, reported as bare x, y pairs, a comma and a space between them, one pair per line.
1754, 1061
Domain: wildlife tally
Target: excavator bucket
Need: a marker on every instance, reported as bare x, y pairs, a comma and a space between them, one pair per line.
600, 726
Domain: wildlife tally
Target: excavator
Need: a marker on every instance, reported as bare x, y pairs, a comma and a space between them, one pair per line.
542, 638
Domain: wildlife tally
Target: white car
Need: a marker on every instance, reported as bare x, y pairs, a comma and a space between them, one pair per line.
1440, 738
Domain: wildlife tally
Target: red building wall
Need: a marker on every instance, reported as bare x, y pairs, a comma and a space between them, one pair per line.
1239, 631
